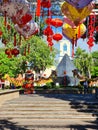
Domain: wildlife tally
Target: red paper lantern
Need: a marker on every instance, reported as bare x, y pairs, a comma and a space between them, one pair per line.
90, 44
26, 18
50, 44
46, 4
8, 51
15, 51
49, 39
1, 33
48, 20
57, 37
96, 28
56, 22
48, 31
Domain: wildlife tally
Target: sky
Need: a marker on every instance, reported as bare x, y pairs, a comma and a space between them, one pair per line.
83, 45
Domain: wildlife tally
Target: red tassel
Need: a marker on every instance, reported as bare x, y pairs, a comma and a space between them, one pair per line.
25, 51
5, 19
19, 39
14, 39
49, 12
79, 31
38, 8
28, 48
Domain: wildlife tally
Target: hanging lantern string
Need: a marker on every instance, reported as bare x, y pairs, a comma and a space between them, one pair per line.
28, 48
19, 39
73, 42
25, 51
5, 19
14, 39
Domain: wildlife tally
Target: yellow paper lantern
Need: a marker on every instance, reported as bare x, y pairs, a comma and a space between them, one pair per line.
76, 14
75, 33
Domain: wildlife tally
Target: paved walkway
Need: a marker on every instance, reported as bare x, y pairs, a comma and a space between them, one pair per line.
50, 112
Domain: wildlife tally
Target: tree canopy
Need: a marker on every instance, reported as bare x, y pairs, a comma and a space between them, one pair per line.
33, 51
87, 63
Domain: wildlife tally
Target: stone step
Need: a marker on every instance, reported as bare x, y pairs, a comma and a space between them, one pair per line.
40, 116
37, 112
51, 104
46, 112
53, 124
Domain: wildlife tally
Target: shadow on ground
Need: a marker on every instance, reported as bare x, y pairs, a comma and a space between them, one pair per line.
8, 125
77, 102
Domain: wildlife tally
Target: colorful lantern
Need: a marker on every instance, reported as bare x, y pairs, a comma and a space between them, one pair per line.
71, 23
21, 21
56, 22
75, 33
79, 3
14, 9
74, 14
28, 30
57, 37
48, 31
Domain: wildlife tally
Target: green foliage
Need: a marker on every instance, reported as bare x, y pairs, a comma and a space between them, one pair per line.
87, 63
95, 67
39, 56
8, 65
84, 62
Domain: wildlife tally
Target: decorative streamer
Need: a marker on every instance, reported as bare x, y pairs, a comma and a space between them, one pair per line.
38, 8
